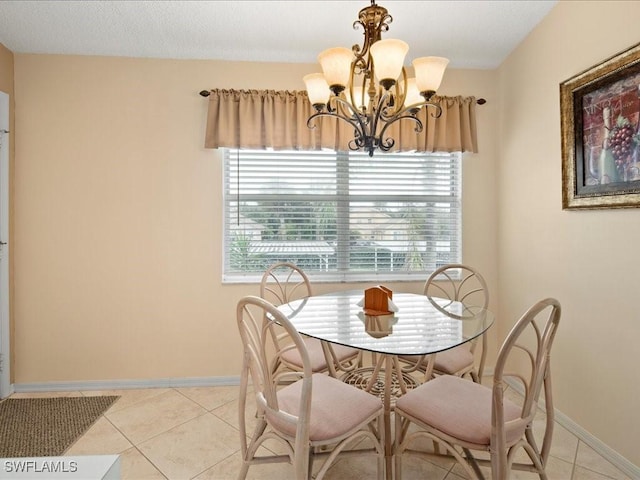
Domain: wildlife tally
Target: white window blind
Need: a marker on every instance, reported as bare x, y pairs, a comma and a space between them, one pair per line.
341, 216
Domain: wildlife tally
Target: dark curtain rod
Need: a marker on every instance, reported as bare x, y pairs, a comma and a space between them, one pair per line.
206, 93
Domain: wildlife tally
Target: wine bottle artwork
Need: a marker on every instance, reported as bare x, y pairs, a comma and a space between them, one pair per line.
600, 130
607, 164
592, 177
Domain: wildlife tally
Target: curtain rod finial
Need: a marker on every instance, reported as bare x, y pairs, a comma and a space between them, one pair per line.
205, 93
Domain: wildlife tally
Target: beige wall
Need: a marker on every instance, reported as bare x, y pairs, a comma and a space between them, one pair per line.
117, 227
6, 86
587, 259
118, 215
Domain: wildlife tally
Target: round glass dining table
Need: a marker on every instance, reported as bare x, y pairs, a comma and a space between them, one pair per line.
420, 325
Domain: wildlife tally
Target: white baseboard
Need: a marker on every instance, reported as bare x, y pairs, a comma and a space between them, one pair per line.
617, 460
125, 384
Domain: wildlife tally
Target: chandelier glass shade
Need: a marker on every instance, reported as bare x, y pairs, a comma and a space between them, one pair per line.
367, 86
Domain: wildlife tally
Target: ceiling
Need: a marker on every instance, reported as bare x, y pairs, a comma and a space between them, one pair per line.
472, 34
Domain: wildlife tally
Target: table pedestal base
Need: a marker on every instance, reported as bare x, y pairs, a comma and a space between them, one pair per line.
364, 379
387, 381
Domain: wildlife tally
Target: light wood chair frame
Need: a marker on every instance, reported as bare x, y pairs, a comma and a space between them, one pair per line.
255, 316
502, 452
284, 282
443, 284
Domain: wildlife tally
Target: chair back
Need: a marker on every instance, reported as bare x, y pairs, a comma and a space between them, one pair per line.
458, 283
256, 318
284, 282
526, 350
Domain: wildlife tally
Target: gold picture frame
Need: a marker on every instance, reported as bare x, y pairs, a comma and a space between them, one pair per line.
600, 125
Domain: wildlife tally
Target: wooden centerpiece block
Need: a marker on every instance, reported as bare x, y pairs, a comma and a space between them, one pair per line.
376, 300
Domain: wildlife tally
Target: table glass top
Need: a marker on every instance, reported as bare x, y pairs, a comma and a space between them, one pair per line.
420, 326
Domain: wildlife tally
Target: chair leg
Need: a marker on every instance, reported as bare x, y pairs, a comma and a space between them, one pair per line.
310, 466
381, 462
242, 474
499, 466
301, 462
398, 442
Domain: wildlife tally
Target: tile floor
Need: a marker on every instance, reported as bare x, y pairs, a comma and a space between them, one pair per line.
192, 433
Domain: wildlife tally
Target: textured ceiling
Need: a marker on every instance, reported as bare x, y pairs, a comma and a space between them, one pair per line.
472, 34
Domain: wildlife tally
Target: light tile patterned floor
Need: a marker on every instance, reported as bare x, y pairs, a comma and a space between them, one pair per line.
192, 433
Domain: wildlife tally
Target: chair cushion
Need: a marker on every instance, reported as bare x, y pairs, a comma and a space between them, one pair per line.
316, 355
336, 408
450, 361
453, 360
460, 408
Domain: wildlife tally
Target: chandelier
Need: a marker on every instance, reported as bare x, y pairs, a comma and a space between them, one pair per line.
367, 86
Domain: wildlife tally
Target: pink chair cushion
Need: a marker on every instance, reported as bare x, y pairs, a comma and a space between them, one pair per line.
453, 360
459, 408
316, 355
336, 408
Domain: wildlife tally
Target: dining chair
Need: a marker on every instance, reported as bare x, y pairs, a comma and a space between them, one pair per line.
464, 284
284, 282
464, 416
313, 416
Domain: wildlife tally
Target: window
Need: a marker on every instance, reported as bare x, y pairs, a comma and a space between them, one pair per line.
341, 216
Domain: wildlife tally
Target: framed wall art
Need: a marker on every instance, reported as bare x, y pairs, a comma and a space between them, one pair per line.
600, 124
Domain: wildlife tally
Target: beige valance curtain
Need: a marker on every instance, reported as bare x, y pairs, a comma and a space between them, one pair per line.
259, 119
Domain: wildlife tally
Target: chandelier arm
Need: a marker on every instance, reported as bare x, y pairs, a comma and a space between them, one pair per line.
360, 135
358, 126
414, 107
361, 126
386, 144
438, 108
398, 98
379, 114
355, 144
346, 109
